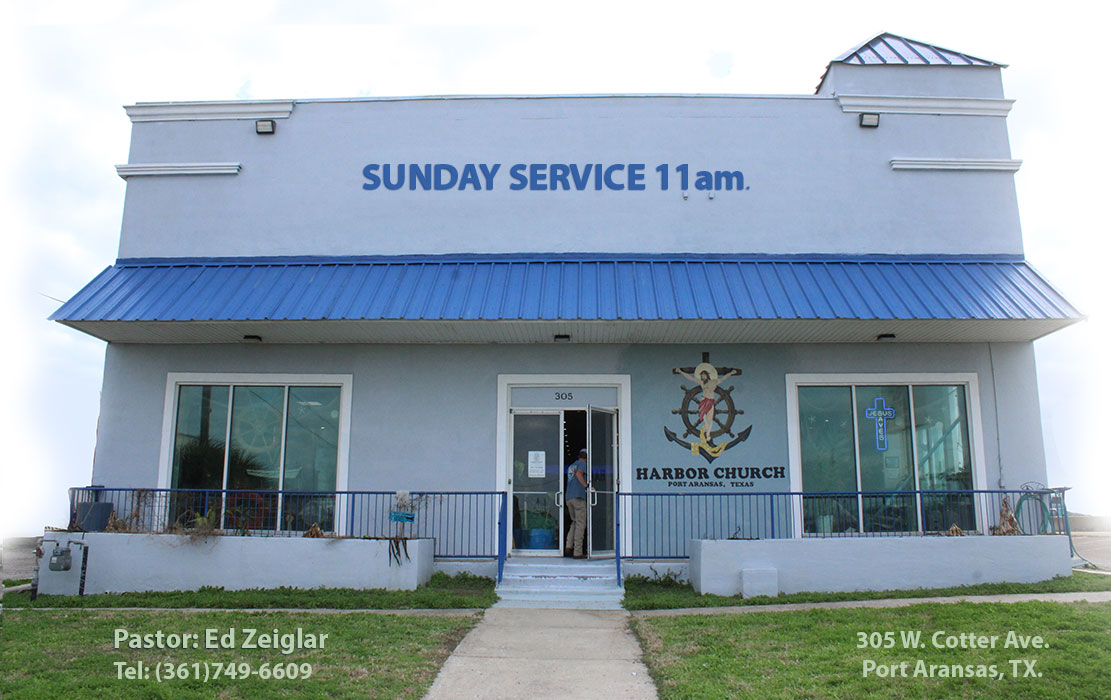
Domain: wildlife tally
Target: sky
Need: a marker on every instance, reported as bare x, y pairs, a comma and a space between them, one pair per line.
69, 67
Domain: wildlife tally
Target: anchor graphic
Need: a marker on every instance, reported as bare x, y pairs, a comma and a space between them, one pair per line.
707, 410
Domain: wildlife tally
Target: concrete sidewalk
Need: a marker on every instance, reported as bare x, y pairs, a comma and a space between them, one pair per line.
537, 654
1095, 547
554, 654
18, 557
1090, 597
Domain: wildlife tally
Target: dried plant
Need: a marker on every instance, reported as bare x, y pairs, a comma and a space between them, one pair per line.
1008, 525
115, 524
398, 545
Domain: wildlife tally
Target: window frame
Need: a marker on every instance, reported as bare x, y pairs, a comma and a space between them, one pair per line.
174, 380
969, 380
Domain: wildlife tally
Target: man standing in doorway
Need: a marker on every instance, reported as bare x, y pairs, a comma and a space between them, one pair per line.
576, 503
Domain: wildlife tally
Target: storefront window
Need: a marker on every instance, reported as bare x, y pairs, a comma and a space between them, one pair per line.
828, 458
886, 462
311, 449
202, 426
277, 438
944, 456
862, 434
256, 437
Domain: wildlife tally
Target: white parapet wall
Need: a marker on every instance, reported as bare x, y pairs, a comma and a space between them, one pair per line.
120, 562
830, 565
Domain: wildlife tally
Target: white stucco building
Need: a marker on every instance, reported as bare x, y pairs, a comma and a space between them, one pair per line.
771, 316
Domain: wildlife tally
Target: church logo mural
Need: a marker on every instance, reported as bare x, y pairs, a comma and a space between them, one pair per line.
708, 411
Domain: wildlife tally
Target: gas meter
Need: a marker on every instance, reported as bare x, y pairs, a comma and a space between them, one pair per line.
60, 559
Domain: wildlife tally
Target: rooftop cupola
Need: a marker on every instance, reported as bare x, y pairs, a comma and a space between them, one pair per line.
889, 64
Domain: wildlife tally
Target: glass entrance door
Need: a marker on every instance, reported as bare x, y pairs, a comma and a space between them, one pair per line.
601, 437
536, 482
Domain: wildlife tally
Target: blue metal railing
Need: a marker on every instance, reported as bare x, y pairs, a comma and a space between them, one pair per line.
464, 524
617, 534
503, 509
661, 525
474, 524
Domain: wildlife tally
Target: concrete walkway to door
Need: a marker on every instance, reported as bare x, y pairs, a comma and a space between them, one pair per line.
541, 654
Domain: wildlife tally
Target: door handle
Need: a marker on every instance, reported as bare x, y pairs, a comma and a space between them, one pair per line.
559, 499
593, 496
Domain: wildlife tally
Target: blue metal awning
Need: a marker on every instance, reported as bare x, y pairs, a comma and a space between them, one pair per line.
151, 297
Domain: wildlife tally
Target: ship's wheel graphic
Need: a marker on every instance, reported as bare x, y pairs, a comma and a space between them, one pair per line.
708, 418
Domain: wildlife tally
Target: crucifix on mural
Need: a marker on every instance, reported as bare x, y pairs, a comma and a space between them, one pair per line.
707, 410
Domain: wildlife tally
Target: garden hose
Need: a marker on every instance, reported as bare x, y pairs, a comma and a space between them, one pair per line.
1047, 523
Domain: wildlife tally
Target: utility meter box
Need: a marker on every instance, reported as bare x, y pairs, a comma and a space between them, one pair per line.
61, 559
60, 564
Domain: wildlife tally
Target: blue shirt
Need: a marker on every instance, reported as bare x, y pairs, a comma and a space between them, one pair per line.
574, 488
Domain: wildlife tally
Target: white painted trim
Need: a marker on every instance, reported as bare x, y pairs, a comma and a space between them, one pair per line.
127, 170
1006, 165
899, 104
794, 454
169, 416
343, 446
970, 380
204, 111
979, 460
856, 457
151, 111
624, 428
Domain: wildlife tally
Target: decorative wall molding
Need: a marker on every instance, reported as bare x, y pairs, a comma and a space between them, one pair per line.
144, 169
201, 111
1005, 165
895, 104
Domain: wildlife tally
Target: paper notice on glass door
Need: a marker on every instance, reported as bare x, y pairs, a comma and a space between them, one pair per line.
536, 464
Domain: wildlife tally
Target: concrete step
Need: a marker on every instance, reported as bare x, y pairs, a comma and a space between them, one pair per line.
559, 604
558, 582
571, 584
575, 568
580, 599
559, 573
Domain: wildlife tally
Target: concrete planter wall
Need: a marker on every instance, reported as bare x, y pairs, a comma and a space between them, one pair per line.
770, 567
119, 562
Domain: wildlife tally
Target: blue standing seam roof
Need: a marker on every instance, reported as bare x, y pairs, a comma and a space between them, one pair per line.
566, 287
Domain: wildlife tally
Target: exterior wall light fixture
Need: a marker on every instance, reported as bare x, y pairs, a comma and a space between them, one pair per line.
885, 336
561, 338
266, 126
252, 338
869, 120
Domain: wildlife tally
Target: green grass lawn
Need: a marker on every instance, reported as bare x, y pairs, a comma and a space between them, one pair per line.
651, 594
814, 654
48, 654
443, 591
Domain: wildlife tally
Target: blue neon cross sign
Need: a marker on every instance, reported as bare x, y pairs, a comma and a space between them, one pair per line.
880, 414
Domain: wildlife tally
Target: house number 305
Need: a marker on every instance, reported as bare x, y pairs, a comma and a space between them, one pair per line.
564, 396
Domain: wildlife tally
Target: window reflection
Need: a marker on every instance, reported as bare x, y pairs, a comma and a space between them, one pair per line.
890, 458
944, 456
311, 440
883, 440
828, 458
245, 453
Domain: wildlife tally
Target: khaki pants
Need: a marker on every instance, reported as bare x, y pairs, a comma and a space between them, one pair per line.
577, 507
